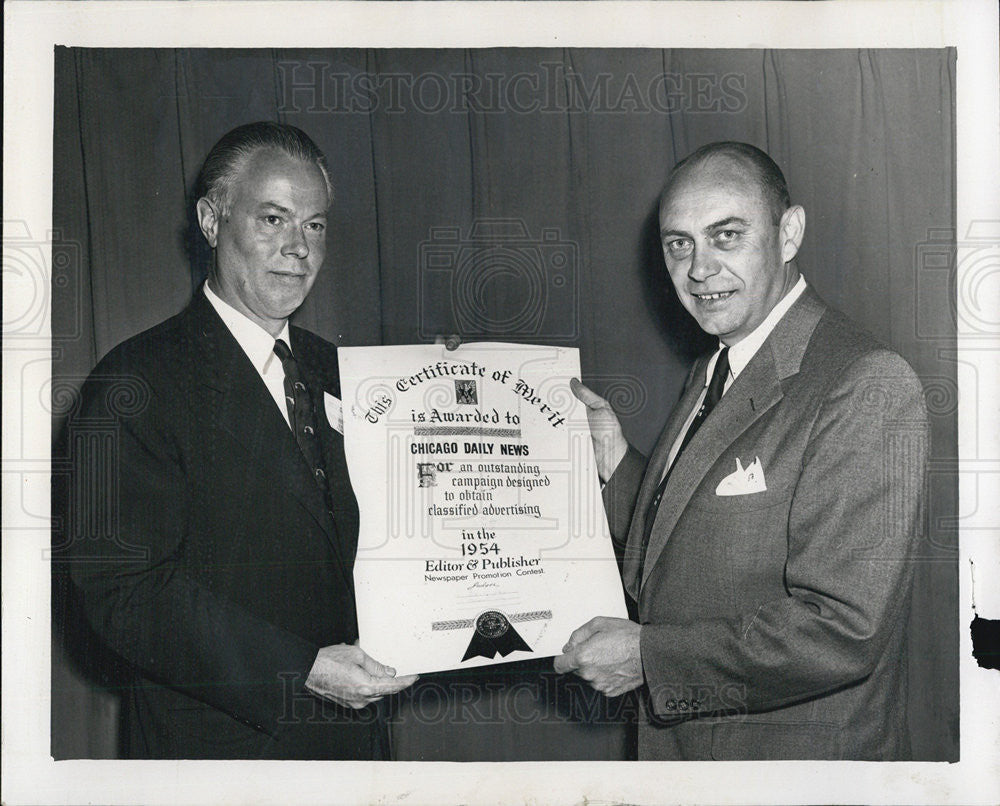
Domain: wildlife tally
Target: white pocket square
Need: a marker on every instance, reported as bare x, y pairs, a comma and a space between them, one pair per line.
334, 412
743, 481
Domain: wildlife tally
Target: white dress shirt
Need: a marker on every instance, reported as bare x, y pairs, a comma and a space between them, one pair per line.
258, 345
739, 356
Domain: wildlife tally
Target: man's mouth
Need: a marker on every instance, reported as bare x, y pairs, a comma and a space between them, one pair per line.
718, 295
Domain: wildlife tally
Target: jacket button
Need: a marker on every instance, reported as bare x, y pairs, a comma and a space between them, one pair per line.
319, 473
671, 705
682, 705
695, 705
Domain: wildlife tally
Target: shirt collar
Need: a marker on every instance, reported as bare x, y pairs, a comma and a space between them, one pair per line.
745, 349
256, 342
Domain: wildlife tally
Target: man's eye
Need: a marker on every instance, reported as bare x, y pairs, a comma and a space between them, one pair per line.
272, 220
727, 236
678, 247
316, 226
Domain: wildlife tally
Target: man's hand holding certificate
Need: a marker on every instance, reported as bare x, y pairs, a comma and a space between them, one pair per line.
483, 536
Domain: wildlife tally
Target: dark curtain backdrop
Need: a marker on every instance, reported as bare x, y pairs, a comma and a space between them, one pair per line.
482, 155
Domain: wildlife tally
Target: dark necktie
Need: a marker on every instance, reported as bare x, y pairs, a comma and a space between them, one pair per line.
302, 414
715, 388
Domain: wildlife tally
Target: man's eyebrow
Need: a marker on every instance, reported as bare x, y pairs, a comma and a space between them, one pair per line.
725, 222
282, 209
667, 231
273, 206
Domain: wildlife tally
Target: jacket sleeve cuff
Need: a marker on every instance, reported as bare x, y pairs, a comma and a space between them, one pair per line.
672, 696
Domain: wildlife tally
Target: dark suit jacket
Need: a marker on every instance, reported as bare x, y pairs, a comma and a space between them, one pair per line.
206, 557
773, 621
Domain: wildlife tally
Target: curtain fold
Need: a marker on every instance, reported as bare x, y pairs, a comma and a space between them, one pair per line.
533, 175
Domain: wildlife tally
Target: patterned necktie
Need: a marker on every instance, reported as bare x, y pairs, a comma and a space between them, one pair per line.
715, 389
302, 414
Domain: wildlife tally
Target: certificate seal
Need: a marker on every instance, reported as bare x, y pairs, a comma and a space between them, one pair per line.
494, 636
492, 624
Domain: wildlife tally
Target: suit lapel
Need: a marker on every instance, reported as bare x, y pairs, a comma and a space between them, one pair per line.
755, 391
321, 374
654, 472
752, 394
241, 405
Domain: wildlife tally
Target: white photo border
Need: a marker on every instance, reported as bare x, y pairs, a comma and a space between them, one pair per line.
32, 30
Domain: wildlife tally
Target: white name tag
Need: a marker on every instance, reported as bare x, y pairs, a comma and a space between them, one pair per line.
334, 412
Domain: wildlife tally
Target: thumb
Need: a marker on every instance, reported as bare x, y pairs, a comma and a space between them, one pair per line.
585, 395
581, 634
452, 342
566, 662
374, 668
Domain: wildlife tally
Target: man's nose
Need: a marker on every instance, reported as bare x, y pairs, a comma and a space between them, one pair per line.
702, 265
296, 244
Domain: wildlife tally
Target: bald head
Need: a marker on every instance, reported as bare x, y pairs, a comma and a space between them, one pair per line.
738, 162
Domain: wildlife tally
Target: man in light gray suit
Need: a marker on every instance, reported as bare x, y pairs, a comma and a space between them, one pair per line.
767, 539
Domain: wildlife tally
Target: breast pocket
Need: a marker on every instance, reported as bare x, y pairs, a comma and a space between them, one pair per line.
751, 533
747, 502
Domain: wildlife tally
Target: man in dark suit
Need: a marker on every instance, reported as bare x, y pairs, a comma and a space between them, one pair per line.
767, 539
220, 568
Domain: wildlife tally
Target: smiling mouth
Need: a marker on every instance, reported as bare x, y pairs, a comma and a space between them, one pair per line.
719, 295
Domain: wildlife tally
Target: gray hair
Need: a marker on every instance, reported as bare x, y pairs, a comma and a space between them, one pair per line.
229, 157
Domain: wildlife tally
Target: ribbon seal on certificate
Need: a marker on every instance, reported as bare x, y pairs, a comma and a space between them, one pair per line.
494, 636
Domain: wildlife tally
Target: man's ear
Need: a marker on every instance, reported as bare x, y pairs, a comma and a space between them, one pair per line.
208, 221
791, 231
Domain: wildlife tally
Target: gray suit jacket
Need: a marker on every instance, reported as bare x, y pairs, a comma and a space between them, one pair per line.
773, 621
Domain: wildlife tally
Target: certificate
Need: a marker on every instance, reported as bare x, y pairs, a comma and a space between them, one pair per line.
483, 537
